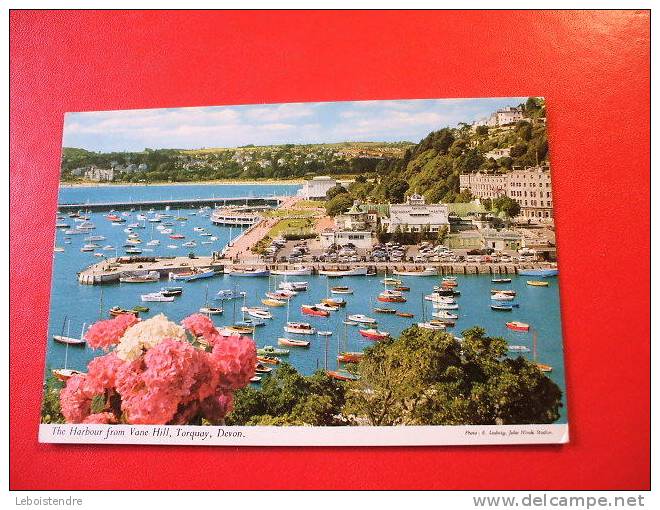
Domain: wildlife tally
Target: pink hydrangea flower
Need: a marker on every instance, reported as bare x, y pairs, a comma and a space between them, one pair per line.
106, 333
199, 325
75, 400
102, 373
101, 418
235, 359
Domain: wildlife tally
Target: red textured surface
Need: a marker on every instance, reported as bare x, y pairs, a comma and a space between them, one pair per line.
593, 68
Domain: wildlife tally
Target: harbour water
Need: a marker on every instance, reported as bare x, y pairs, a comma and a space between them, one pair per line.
85, 304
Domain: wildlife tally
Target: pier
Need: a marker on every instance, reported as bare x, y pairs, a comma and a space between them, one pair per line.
109, 270
186, 203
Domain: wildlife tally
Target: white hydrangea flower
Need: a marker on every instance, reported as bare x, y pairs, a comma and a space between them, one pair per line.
147, 334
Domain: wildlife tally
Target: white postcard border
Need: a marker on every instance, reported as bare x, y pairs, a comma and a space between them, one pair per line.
304, 436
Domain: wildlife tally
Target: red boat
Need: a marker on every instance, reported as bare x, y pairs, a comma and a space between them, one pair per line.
341, 375
350, 357
271, 360
177, 236
115, 218
313, 310
517, 326
389, 296
374, 334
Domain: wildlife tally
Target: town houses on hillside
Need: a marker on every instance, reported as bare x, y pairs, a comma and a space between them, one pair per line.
501, 117
531, 187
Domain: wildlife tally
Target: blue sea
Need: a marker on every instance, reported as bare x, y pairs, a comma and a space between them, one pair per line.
85, 304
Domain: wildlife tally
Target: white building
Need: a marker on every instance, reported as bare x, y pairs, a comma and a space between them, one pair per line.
416, 216
498, 153
361, 240
316, 188
505, 116
100, 174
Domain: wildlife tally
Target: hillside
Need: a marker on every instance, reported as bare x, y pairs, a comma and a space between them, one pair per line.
433, 166
248, 162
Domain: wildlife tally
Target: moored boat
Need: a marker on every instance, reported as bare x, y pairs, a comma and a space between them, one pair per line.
503, 291
299, 328
537, 283
430, 325
356, 271
341, 375
350, 357
140, 277
517, 326
294, 271
362, 319
260, 368
156, 297
271, 360
292, 342
116, 310
294, 286
385, 310
257, 312
64, 374
171, 291
228, 294
501, 308
374, 334
195, 274
249, 271
210, 310
501, 280
273, 302
427, 271
543, 273
500, 296
405, 314
328, 307
269, 350
314, 311
519, 348
391, 296
341, 290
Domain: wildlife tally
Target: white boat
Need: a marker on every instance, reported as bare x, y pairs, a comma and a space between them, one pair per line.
257, 312
341, 290
436, 298
227, 294
502, 297
95, 238
294, 271
431, 326
428, 271
357, 271
293, 286
324, 333
196, 274
89, 247
300, 328
133, 250
210, 310
58, 249
166, 231
362, 319
442, 314
198, 229
249, 271
108, 247
156, 296
519, 348
69, 340
445, 306
190, 244
153, 242
327, 307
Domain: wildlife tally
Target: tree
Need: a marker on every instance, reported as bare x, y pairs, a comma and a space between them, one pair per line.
442, 234
482, 131
506, 205
289, 398
430, 378
339, 204
335, 191
487, 203
395, 191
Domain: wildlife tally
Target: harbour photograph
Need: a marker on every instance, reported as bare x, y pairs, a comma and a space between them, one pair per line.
309, 266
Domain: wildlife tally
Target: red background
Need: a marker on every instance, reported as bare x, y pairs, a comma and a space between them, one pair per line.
593, 68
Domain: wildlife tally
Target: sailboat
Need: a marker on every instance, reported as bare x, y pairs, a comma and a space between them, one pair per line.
209, 310
341, 374
66, 339
63, 374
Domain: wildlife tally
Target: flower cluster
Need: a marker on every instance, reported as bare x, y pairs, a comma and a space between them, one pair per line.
105, 334
155, 376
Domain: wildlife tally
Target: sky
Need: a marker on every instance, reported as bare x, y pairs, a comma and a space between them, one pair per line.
271, 124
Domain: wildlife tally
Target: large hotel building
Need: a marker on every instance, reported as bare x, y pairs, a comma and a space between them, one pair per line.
530, 187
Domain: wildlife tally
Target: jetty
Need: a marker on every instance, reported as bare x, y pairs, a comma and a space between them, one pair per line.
186, 203
109, 270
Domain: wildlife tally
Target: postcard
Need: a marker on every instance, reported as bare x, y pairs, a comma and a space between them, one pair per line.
339, 273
